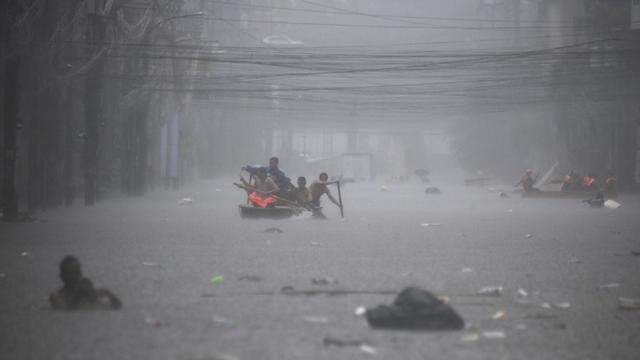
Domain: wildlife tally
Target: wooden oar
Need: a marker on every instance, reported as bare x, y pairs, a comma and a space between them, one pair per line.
340, 199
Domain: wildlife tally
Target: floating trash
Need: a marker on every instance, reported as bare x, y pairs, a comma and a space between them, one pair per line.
250, 278
611, 204
490, 291
494, 334
323, 281
562, 305
24, 254
470, 337
500, 315
430, 224
575, 260
273, 230
523, 292
217, 279
317, 319
150, 264
467, 270
360, 311
221, 320
625, 303
185, 201
415, 309
152, 321
521, 327
545, 305
528, 236
609, 286
369, 350
315, 243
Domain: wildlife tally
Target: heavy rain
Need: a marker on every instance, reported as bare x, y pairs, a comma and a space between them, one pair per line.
320, 179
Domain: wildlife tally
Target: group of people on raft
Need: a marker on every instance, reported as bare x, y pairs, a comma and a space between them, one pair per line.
269, 186
573, 182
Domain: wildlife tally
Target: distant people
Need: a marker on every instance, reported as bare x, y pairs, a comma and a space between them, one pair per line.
78, 292
610, 185
303, 195
319, 188
274, 172
260, 192
571, 182
527, 182
589, 182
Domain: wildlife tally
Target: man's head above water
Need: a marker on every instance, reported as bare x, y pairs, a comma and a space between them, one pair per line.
70, 271
323, 177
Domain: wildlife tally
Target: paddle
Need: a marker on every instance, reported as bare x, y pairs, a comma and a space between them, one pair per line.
340, 199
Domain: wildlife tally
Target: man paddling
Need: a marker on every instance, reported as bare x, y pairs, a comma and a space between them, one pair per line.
319, 188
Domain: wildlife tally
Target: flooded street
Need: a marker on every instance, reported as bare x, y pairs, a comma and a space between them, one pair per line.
199, 282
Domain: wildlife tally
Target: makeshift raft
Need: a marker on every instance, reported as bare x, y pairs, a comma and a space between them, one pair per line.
275, 212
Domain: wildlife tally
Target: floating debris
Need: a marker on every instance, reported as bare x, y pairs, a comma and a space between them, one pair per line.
432, 190
185, 201
523, 292
221, 320
323, 281
500, 315
609, 286
329, 341
611, 204
315, 243
152, 321
415, 309
430, 224
562, 305
273, 230
217, 279
521, 327
250, 278
528, 236
494, 334
24, 254
575, 260
467, 270
490, 291
473, 337
369, 350
317, 319
625, 303
360, 311
150, 264
545, 305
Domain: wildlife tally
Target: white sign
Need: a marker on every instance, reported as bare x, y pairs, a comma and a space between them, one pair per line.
635, 14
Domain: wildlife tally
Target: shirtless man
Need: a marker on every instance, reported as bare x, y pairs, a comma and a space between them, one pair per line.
303, 196
319, 188
78, 292
261, 191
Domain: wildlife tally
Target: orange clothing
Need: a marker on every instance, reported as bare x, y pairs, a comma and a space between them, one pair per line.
260, 201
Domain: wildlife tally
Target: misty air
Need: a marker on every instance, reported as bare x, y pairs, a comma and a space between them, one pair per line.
319, 179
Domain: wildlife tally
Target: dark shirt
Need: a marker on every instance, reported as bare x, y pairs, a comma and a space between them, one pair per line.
277, 175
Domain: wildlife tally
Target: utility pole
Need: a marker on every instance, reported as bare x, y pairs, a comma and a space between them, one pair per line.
11, 103
92, 106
